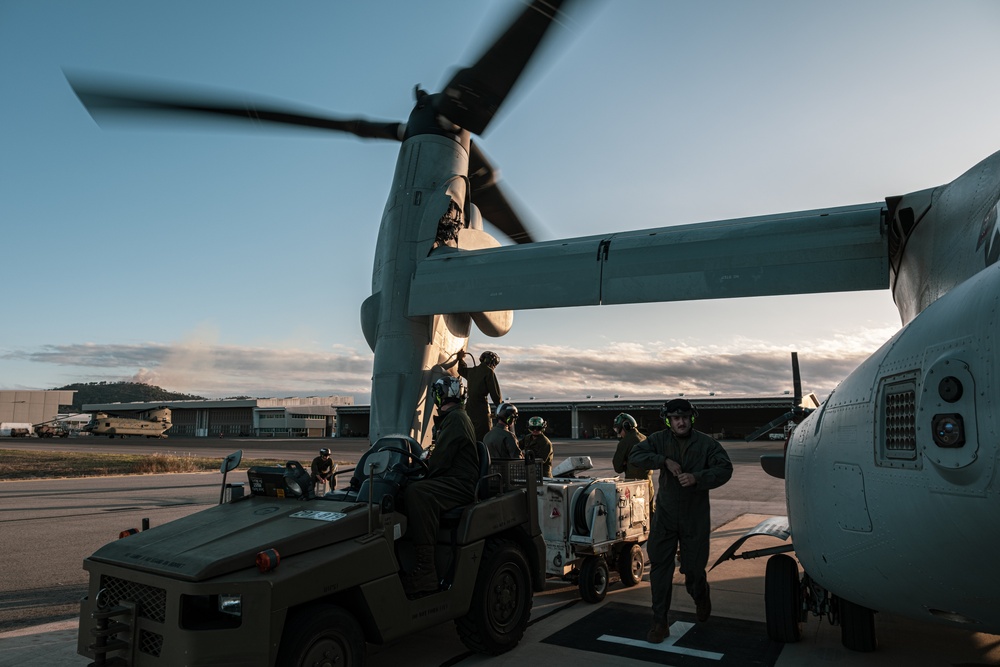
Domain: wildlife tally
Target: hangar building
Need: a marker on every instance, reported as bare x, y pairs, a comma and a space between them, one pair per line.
729, 418
32, 407
309, 417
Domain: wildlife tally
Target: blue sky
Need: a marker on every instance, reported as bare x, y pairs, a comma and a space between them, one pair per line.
220, 262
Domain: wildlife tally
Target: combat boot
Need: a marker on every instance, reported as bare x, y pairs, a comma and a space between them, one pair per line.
659, 631
423, 579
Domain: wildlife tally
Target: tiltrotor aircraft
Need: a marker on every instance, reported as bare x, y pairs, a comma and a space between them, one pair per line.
892, 486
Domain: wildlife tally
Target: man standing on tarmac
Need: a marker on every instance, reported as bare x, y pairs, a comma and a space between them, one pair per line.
453, 472
482, 383
500, 440
690, 463
626, 428
538, 444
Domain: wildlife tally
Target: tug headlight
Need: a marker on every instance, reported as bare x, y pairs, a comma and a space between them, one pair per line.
231, 604
211, 612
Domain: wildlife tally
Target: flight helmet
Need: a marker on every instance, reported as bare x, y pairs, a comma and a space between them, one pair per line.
536, 423
491, 359
677, 407
625, 421
449, 389
324, 451
507, 413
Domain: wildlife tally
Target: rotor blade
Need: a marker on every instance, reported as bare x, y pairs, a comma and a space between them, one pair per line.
143, 101
474, 94
770, 426
796, 379
489, 198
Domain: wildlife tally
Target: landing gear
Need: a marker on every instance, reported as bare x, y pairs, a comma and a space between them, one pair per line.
782, 599
787, 602
857, 627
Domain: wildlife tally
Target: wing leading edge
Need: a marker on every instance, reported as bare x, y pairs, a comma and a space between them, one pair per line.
826, 250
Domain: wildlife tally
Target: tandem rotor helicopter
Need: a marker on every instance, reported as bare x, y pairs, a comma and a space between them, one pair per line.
150, 423
891, 483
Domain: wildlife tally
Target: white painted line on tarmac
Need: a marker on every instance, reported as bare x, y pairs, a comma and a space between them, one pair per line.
677, 630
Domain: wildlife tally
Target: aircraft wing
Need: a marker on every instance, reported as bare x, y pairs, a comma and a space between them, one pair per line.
827, 250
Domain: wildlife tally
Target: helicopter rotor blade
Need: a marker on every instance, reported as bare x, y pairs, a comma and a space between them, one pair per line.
474, 94
489, 198
796, 380
111, 99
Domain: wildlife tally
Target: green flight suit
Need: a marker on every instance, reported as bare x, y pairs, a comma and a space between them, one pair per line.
451, 481
541, 447
682, 514
621, 464
620, 459
501, 443
482, 383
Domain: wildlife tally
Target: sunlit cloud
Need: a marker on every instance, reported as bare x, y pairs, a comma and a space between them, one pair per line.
744, 367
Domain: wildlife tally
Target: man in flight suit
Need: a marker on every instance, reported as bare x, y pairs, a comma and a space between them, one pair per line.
690, 464
453, 472
500, 441
626, 428
482, 383
538, 444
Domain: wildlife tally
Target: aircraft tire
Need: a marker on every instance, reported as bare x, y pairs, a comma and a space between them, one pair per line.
321, 631
593, 579
501, 602
782, 599
857, 627
631, 564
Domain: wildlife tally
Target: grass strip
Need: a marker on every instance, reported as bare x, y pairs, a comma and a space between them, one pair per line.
18, 464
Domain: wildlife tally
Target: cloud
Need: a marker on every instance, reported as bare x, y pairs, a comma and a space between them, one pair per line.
213, 370
744, 367
653, 370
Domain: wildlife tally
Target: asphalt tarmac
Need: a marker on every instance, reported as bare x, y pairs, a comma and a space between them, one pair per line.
63, 518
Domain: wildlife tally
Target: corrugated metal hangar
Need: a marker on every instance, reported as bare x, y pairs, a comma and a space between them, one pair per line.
333, 416
731, 418
309, 417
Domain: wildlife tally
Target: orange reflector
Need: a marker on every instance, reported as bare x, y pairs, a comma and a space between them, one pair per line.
126, 533
267, 560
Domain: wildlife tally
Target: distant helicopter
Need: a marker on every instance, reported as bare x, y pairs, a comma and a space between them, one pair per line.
891, 483
152, 424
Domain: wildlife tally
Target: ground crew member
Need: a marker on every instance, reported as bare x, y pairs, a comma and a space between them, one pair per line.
625, 428
538, 444
453, 472
500, 441
322, 469
482, 383
690, 464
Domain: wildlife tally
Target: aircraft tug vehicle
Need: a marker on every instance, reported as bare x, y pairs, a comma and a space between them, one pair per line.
281, 577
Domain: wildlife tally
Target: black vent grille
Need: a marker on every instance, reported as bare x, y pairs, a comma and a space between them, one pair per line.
150, 602
150, 643
900, 418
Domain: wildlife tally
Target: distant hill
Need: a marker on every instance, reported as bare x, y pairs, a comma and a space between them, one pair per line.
121, 392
